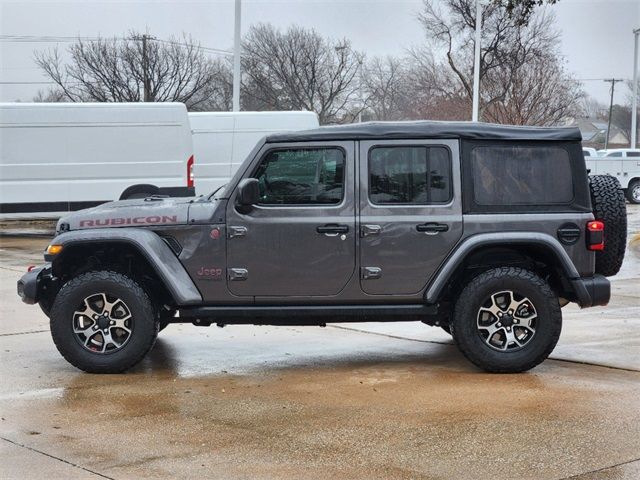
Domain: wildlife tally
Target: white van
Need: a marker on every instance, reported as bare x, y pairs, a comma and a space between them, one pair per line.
622, 163
222, 140
59, 157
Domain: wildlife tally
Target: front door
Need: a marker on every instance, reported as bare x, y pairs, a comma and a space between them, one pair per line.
410, 212
300, 239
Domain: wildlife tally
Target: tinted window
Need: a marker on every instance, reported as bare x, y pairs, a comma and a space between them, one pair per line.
301, 176
504, 175
633, 154
614, 154
409, 175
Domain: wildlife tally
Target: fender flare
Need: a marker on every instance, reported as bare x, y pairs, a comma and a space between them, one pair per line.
480, 240
171, 272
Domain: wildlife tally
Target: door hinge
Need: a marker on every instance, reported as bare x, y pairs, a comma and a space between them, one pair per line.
237, 274
236, 231
370, 273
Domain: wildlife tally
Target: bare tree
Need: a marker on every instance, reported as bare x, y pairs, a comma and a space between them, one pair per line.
541, 93
592, 108
299, 70
52, 95
386, 89
513, 56
134, 69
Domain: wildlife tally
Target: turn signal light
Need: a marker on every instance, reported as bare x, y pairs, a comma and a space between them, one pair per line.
595, 235
53, 249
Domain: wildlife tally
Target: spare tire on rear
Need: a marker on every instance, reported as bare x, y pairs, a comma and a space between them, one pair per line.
607, 201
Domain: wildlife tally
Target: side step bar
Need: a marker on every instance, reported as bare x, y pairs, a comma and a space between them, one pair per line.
304, 315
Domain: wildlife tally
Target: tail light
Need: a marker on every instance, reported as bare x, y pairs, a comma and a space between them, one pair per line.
190, 172
595, 235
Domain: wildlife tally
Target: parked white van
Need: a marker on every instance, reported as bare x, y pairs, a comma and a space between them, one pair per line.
622, 163
59, 157
222, 140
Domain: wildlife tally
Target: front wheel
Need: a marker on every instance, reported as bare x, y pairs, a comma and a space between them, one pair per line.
507, 320
103, 322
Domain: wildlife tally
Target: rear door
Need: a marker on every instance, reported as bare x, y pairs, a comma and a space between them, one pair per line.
300, 239
410, 212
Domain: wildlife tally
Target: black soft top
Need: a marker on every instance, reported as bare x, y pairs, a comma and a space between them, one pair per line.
428, 129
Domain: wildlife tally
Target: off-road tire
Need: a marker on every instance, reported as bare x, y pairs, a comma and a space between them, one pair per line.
633, 185
607, 200
473, 346
143, 333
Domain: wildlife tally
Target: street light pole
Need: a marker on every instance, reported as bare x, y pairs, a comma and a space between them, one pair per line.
476, 63
634, 99
237, 46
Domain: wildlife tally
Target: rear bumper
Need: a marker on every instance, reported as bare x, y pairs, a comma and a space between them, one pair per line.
29, 286
592, 291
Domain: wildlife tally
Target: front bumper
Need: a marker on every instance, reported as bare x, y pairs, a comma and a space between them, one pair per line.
592, 291
30, 285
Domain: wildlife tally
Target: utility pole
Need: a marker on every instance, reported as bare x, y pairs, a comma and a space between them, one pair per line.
613, 87
237, 46
146, 81
634, 99
476, 63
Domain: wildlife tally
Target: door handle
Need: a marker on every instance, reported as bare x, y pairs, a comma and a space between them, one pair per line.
332, 229
236, 231
432, 228
367, 230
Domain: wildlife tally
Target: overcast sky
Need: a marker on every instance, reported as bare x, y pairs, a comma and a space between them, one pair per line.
597, 38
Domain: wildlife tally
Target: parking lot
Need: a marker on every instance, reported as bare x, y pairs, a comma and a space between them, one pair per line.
345, 401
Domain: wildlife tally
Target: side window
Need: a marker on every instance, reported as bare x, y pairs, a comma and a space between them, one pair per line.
311, 176
614, 154
505, 175
416, 175
633, 154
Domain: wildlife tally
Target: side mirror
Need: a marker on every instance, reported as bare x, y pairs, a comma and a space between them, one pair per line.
248, 192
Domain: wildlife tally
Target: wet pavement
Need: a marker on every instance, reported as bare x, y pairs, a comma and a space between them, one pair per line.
346, 401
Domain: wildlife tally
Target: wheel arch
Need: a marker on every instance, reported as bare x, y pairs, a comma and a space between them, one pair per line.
86, 250
478, 253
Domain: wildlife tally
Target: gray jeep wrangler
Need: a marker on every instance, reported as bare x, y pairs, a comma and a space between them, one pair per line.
483, 230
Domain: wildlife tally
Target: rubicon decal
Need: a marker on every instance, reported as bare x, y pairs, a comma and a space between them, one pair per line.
119, 221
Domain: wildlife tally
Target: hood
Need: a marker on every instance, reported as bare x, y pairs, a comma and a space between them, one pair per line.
129, 213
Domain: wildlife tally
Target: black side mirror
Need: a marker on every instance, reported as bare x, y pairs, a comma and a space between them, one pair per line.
248, 192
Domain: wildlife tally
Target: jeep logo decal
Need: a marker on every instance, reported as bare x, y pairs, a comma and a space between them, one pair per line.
119, 221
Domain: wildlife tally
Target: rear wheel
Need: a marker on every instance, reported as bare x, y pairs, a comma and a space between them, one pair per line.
607, 201
103, 322
507, 320
633, 191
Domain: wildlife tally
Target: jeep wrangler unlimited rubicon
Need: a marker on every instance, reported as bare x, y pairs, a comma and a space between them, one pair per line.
483, 230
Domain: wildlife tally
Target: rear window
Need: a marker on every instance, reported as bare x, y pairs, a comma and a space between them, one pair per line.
521, 175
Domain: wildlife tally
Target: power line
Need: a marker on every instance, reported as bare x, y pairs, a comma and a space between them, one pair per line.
62, 39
